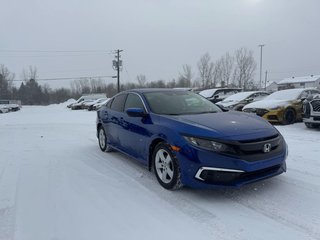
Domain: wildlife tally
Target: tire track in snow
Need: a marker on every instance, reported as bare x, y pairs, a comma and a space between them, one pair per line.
137, 173
275, 214
8, 198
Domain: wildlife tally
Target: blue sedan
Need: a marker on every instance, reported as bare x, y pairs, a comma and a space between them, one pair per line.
187, 140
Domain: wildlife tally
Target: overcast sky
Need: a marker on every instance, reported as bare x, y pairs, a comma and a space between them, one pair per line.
157, 36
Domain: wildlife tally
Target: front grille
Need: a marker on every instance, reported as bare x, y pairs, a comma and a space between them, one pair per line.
315, 105
232, 178
253, 150
259, 111
260, 139
316, 118
273, 117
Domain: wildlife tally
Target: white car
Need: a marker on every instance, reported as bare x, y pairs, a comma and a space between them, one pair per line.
11, 105
99, 105
239, 100
96, 102
311, 111
4, 109
218, 94
92, 97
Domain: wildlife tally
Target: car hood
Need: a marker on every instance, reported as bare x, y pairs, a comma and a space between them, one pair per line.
229, 125
228, 103
267, 104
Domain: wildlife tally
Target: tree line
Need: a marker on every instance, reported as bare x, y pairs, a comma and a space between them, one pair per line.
229, 70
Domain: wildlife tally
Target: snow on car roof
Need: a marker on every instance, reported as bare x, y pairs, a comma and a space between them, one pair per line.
208, 92
303, 79
239, 96
288, 94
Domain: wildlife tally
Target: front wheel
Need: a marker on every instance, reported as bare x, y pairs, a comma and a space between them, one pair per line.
166, 167
103, 143
289, 116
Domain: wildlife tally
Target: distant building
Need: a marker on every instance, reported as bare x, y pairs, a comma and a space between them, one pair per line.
272, 87
300, 82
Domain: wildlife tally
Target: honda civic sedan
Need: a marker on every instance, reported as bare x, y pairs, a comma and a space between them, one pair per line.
187, 140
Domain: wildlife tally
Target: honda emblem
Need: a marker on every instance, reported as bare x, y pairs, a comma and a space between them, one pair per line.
267, 148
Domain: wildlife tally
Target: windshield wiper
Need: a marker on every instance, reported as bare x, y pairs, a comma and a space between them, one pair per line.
205, 112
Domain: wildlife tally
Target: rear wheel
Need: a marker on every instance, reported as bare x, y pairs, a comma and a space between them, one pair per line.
103, 143
289, 116
166, 167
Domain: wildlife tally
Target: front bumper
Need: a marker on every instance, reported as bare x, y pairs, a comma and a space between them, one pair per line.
274, 116
205, 169
312, 119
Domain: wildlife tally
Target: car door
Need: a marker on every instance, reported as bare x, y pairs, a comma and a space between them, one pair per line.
135, 129
112, 118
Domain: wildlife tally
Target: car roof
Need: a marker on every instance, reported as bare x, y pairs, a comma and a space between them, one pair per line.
146, 90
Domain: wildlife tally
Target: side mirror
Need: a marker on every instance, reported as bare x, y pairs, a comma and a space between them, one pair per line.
249, 99
136, 112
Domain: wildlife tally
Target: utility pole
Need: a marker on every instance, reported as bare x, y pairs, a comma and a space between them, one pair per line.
261, 46
117, 64
265, 81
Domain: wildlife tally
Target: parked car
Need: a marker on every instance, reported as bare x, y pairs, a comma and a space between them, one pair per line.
283, 106
218, 94
78, 104
100, 104
12, 105
4, 108
91, 105
239, 100
191, 142
311, 111
81, 105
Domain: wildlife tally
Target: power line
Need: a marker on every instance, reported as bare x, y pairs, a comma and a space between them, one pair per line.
53, 55
65, 78
56, 51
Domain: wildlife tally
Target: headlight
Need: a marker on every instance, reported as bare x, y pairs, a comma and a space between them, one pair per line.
230, 107
208, 144
275, 108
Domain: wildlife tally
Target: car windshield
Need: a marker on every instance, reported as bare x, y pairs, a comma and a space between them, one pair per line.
207, 93
238, 96
289, 94
179, 103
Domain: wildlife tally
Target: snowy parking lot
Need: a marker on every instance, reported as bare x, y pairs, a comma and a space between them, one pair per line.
56, 184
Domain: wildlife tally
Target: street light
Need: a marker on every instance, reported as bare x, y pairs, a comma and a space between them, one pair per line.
261, 46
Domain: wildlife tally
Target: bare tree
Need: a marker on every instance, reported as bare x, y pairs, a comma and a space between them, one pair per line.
85, 85
31, 73
245, 67
185, 78
205, 67
216, 73
226, 68
6, 78
142, 80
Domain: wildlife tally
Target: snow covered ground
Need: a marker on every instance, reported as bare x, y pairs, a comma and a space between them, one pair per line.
56, 184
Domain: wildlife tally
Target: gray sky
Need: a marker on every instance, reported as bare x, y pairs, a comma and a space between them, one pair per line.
158, 36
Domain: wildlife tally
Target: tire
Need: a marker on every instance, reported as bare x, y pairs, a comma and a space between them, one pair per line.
166, 167
103, 143
289, 116
238, 108
311, 125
